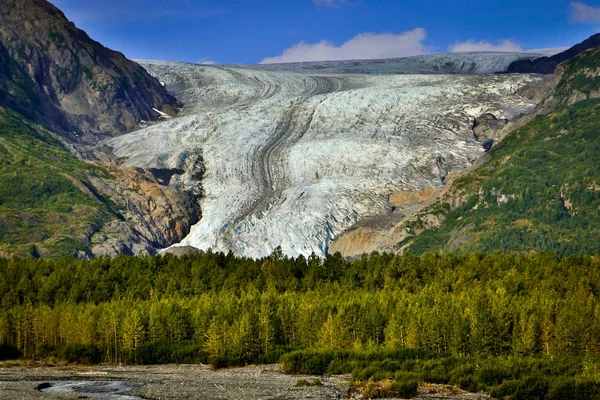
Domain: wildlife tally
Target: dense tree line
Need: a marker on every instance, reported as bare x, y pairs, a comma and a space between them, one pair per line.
226, 308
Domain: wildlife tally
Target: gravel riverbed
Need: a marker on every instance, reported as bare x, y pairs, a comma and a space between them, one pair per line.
180, 382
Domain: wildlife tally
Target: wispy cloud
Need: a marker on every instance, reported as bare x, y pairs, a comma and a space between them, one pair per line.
583, 13
360, 47
471, 45
206, 61
330, 3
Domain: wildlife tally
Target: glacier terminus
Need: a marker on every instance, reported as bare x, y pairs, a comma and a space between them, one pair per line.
294, 154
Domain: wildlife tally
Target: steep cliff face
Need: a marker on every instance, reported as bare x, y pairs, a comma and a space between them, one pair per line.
153, 213
71, 82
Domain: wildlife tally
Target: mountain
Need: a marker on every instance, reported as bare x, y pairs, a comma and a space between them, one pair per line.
60, 92
51, 69
537, 190
547, 65
312, 158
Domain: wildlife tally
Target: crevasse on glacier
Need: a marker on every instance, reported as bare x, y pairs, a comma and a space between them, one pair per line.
293, 160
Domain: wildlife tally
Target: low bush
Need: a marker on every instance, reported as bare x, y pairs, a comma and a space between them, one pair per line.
82, 354
9, 352
405, 388
186, 352
304, 382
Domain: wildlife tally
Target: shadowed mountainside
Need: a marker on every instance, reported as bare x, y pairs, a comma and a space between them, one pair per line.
547, 65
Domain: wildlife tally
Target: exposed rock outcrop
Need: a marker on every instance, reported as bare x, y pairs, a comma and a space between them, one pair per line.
73, 83
486, 129
182, 251
377, 233
151, 214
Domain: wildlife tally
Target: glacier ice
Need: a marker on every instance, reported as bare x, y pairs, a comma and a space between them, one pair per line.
441, 63
293, 160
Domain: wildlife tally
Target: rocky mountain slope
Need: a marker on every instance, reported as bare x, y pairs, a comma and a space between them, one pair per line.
548, 64
538, 190
293, 160
60, 92
74, 84
53, 204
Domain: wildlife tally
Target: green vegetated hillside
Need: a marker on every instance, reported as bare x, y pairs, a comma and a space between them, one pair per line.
540, 188
47, 207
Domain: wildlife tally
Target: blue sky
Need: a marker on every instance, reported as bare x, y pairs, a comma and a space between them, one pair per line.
253, 31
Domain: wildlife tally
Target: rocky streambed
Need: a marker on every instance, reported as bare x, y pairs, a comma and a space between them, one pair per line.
161, 382
180, 382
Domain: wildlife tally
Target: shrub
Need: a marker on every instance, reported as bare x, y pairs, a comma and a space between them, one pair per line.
187, 352
304, 382
9, 352
570, 388
82, 354
405, 388
494, 375
307, 362
530, 388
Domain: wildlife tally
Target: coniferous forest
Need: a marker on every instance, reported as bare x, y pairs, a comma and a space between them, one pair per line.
523, 325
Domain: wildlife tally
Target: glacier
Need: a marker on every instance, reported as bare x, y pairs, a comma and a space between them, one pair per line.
296, 154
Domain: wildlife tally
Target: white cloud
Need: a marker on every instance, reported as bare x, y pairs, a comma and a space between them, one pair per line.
581, 12
205, 61
329, 3
471, 45
361, 47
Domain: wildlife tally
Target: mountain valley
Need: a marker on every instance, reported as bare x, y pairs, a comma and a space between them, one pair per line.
417, 227
311, 157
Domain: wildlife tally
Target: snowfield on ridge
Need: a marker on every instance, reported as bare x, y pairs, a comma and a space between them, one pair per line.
293, 160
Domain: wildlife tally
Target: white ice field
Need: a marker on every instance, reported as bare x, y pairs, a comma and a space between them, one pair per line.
293, 159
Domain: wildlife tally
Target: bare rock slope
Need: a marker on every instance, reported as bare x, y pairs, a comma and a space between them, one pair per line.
73, 83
